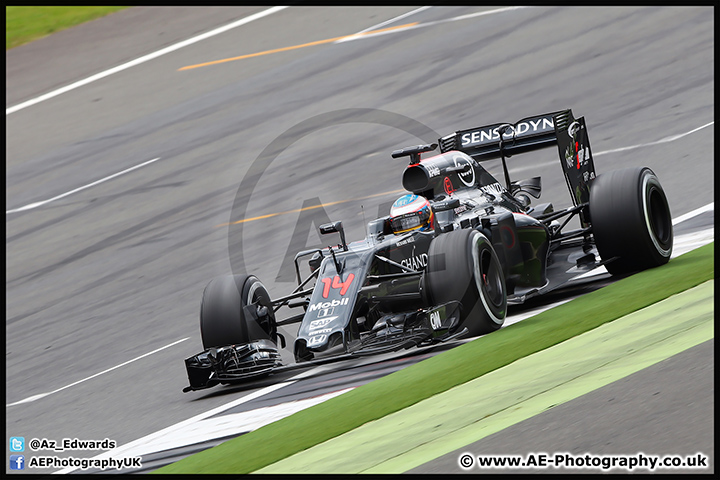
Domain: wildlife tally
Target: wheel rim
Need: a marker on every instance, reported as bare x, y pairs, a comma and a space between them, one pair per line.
488, 281
659, 221
252, 293
656, 217
490, 284
256, 294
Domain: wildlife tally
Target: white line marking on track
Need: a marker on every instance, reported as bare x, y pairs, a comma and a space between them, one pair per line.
513, 170
122, 451
226, 425
682, 244
143, 59
669, 139
694, 213
42, 395
110, 177
661, 141
380, 25
358, 36
147, 441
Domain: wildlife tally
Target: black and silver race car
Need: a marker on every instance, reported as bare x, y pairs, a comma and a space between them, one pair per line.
452, 255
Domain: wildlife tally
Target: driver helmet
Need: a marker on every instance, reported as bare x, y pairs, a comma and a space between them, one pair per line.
411, 212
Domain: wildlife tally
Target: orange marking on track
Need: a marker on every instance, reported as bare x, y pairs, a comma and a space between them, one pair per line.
295, 47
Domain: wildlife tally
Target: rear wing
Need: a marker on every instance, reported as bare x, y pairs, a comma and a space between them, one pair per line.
483, 143
502, 140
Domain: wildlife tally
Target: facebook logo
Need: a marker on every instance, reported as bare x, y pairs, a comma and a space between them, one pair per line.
17, 444
17, 462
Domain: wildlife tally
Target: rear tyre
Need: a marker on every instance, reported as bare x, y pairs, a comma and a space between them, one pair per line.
631, 220
463, 266
235, 310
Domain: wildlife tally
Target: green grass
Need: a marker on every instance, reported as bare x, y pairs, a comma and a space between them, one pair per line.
401, 389
25, 24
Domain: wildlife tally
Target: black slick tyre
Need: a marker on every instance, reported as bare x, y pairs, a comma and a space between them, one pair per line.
463, 266
235, 310
631, 220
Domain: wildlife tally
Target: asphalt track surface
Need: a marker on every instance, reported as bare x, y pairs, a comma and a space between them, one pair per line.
115, 271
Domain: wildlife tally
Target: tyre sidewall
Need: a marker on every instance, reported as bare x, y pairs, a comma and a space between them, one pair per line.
455, 262
657, 223
631, 220
222, 317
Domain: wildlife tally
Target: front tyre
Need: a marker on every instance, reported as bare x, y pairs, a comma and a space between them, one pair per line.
631, 220
235, 310
463, 266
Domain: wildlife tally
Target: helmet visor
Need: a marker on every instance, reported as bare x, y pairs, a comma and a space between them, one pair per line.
411, 221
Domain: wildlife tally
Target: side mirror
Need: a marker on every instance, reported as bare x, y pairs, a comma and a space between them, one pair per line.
331, 228
335, 227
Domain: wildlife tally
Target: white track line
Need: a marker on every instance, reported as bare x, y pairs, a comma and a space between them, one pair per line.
122, 452
392, 20
682, 244
359, 36
669, 139
694, 213
382, 24
222, 426
143, 59
110, 177
147, 442
42, 395
514, 170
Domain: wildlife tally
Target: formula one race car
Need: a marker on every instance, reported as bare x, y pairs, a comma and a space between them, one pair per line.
449, 258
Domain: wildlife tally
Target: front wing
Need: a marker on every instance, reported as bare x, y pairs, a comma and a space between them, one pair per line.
237, 363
